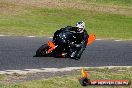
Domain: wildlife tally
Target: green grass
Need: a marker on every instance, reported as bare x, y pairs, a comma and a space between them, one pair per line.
2, 77
112, 2
71, 81
41, 21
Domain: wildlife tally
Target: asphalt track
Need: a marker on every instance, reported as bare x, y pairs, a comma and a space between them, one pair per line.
16, 53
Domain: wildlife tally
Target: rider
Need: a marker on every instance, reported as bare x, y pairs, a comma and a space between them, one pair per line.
82, 37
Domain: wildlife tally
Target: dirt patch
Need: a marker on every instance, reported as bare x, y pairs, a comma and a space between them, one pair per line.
71, 4
17, 78
7, 8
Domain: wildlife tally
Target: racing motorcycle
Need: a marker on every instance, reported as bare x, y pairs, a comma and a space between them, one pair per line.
61, 45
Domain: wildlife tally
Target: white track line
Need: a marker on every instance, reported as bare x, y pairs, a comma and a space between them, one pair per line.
118, 40
50, 37
26, 71
111, 67
99, 39
31, 36
2, 35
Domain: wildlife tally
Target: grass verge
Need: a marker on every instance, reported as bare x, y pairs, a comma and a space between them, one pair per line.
71, 81
112, 2
104, 21
2, 77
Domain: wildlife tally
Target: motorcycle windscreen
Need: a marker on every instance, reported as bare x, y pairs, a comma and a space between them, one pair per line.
91, 38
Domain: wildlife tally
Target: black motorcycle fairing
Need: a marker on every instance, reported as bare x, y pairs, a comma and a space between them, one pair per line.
63, 41
65, 37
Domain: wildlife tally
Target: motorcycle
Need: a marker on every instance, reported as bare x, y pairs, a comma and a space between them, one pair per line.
60, 46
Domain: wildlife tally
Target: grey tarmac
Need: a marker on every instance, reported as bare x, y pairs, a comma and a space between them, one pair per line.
16, 53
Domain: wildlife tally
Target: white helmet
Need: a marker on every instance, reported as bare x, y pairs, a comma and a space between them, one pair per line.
81, 26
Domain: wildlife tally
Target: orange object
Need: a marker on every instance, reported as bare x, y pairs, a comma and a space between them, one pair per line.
91, 38
84, 73
51, 44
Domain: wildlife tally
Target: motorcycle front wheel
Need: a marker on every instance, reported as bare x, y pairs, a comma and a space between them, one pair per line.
42, 51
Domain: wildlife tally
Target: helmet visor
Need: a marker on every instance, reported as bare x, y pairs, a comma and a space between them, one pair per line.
80, 30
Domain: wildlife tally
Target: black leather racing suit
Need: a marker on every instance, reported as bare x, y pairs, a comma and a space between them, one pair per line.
81, 42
